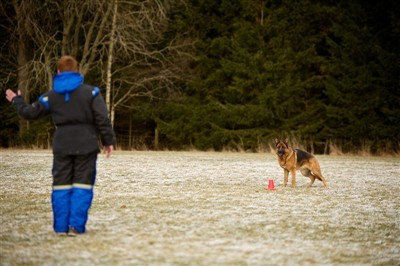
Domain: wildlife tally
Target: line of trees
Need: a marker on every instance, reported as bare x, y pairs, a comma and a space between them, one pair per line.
222, 74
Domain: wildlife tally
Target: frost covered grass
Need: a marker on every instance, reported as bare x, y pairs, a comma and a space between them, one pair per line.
204, 208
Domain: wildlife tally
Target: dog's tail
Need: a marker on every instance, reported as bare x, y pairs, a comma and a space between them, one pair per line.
319, 174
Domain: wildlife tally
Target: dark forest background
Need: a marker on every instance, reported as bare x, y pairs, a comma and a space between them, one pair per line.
215, 75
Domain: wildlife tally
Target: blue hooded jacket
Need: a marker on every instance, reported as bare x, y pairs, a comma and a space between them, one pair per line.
66, 82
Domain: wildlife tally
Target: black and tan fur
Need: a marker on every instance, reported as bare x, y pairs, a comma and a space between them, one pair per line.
294, 159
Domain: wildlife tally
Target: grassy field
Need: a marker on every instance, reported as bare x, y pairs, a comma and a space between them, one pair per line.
204, 208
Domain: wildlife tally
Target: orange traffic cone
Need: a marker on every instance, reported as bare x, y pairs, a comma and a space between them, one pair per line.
271, 185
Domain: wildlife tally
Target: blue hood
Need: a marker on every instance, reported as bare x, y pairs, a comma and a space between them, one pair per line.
66, 82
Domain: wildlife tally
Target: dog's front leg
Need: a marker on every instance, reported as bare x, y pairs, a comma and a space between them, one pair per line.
293, 173
285, 177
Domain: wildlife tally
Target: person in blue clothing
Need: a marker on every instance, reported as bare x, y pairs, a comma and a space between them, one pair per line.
80, 116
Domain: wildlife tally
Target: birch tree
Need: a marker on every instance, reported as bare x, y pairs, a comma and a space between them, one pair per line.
110, 57
145, 63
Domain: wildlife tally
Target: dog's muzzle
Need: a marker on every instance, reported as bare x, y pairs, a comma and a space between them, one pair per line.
281, 152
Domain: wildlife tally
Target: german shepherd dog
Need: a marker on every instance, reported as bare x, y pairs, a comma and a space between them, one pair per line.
294, 159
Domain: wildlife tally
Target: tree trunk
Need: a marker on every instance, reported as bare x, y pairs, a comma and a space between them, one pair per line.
112, 115
130, 133
110, 59
23, 79
156, 139
23, 58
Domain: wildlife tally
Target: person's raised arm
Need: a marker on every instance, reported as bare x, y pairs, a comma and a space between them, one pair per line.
27, 111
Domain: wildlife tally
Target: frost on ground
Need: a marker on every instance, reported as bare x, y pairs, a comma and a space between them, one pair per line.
203, 208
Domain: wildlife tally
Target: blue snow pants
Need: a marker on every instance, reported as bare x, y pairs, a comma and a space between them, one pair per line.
73, 180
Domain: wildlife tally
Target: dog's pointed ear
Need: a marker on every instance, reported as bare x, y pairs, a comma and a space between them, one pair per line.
276, 141
286, 141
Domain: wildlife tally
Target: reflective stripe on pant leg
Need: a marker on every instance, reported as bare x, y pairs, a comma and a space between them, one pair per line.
60, 200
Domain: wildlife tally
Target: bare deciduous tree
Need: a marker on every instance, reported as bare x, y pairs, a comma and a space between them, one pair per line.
144, 64
23, 15
110, 56
123, 41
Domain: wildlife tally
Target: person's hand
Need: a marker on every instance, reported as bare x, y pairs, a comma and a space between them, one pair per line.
10, 95
108, 150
